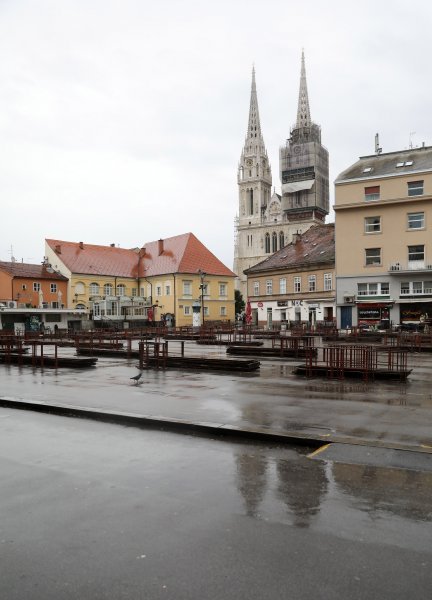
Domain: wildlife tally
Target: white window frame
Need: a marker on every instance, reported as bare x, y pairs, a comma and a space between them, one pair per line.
53, 288
416, 255
94, 289
376, 288
415, 188
371, 256
223, 311
282, 285
328, 282
108, 289
36, 286
414, 219
158, 290
187, 310
187, 287
297, 285
269, 287
121, 289
223, 289
167, 289
312, 283
256, 288
372, 224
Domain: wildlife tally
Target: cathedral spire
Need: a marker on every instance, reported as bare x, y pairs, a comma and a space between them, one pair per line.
303, 110
254, 125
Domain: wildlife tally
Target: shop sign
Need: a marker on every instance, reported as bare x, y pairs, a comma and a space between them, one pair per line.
260, 304
282, 302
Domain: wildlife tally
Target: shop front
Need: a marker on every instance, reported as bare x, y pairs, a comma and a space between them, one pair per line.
415, 312
374, 315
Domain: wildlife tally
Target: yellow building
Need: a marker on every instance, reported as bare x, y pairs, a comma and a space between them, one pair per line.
383, 206
166, 280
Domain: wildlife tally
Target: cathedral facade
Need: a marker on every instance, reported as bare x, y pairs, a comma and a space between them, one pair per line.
266, 221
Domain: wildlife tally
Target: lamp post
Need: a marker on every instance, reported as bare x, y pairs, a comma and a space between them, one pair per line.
202, 274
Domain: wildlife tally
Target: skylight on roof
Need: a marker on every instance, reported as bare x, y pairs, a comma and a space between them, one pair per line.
400, 164
408, 163
367, 169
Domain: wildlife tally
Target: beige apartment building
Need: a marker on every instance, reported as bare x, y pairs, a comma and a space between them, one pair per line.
383, 207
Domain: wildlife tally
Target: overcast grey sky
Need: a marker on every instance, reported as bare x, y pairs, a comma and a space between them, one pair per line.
123, 121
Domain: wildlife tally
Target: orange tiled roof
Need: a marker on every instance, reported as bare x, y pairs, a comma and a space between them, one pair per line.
179, 254
30, 271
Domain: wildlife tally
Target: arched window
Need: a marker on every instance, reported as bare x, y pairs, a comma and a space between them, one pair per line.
241, 173
267, 242
108, 289
274, 241
94, 289
281, 240
251, 202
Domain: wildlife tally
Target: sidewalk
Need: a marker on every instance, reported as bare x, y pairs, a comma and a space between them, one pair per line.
272, 404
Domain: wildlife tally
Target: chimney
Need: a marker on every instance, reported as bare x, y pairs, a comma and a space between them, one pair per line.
142, 252
81, 245
112, 245
160, 247
57, 249
296, 238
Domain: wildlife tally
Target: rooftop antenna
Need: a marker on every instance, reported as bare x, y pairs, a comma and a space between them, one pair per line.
410, 145
378, 150
13, 259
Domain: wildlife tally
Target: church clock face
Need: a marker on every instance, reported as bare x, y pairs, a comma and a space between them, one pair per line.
249, 162
297, 149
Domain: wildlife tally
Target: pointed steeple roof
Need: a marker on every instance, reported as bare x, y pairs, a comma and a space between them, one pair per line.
254, 125
303, 110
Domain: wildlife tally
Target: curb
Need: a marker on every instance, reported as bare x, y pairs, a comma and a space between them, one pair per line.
204, 429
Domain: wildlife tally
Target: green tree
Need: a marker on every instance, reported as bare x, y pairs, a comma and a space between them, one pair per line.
239, 302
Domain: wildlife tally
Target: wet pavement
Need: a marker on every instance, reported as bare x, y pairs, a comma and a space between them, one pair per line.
271, 400
101, 511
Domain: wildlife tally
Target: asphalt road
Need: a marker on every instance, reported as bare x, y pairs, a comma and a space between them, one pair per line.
98, 511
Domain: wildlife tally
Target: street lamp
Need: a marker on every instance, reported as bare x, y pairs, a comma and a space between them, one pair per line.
202, 274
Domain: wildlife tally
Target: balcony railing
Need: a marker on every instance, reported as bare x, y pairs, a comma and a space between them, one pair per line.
423, 292
412, 265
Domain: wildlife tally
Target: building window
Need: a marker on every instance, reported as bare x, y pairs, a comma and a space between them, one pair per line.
416, 252
415, 188
416, 220
328, 282
206, 311
167, 289
53, 288
256, 288
372, 193
373, 289
24, 286
251, 202
415, 288
267, 243
281, 240
108, 289
222, 289
223, 311
269, 287
143, 292
94, 289
312, 283
36, 286
121, 290
134, 292
274, 241
158, 290
187, 310
297, 284
79, 288
282, 286
372, 224
373, 256
187, 288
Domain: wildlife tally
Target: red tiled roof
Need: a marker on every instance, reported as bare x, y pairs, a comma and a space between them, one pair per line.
29, 271
315, 246
182, 254
179, 254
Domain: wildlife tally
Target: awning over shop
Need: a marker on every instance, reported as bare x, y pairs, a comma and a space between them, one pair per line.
296, 186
